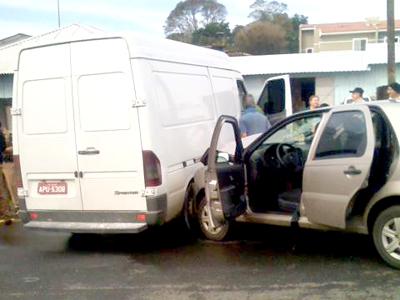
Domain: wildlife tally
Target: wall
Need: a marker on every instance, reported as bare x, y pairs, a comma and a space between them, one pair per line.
369, 81
325, 89
307, 40
6, 84
333, 88
336, 42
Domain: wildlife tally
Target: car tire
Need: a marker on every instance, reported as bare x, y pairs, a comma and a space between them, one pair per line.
220, 233
386, 235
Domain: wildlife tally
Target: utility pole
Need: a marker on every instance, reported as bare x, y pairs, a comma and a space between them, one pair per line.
390, 42
58, 13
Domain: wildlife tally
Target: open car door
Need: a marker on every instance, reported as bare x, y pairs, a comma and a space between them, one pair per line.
276, 98
339, 165
225, 176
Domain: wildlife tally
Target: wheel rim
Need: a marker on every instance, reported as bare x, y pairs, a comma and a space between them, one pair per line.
391, 238
205, 222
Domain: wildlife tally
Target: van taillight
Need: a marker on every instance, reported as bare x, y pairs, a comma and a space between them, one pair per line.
17, 171
152, 169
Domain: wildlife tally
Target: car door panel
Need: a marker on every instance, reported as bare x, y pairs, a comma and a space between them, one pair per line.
331, 182
276, 98
231, 189
225, 181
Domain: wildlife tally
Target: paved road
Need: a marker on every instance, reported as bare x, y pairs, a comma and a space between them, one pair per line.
262, 263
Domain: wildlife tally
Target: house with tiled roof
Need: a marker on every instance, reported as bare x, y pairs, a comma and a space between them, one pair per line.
355, 36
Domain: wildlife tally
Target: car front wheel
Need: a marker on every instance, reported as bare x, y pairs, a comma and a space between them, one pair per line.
386, 235
218, 233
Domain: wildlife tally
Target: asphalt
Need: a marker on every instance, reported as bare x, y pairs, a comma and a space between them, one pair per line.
261, 262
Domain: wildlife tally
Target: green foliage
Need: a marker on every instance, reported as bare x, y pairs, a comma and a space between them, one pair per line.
263, 10
202, 22
213, 34
276, 13
189, 15
261, 37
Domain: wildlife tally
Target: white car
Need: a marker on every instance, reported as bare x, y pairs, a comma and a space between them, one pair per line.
330, 169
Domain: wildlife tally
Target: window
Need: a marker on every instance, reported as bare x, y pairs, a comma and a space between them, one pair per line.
345, 135
272, 99
300, 131
396, 39
242, 91
360, 44
225, 96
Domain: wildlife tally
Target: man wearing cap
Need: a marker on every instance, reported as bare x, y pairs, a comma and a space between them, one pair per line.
394, 91
357, 95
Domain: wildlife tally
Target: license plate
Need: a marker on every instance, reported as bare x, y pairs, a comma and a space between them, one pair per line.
53, 188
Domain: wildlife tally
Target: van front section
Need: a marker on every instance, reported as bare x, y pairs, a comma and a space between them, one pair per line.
79, 141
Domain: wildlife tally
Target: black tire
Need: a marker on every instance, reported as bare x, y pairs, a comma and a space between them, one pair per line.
189, 218
382, 241
219, 234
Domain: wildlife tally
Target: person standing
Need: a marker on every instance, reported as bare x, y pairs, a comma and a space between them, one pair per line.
252, 121
357, 96
313, 102
4, 195
393, 91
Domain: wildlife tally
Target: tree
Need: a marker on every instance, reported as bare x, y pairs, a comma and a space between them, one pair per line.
260, 38
213, 34
263, 10
189, 15
275, 12
293, 34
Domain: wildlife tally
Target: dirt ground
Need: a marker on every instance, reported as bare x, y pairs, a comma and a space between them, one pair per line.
8, 199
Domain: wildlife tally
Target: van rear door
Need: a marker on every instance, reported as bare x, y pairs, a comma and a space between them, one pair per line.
109, 150
276, 98
45, 127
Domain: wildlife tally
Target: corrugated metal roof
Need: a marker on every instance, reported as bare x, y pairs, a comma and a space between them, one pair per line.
322, 62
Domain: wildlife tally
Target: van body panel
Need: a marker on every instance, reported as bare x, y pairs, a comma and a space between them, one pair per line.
120, 102
47, 145
107, 126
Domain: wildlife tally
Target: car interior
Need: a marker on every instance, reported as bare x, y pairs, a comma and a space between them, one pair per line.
275, 167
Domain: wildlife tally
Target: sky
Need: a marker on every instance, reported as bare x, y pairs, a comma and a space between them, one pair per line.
148, 16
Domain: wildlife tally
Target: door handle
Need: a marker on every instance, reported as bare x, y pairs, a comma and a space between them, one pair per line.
89, 151
352, 171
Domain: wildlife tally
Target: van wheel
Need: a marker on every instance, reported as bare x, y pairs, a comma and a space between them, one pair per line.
219, 233
188, 213
386, 235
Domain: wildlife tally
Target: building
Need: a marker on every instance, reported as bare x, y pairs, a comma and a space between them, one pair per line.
343, 36
9, 51
6, 82
331, 75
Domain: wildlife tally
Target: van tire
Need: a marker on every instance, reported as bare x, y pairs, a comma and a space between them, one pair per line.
385, 221
219, 234
188, 216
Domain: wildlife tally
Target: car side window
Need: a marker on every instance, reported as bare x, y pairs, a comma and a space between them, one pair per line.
345, 135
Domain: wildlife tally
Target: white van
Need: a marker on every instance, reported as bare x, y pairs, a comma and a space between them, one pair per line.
108, 131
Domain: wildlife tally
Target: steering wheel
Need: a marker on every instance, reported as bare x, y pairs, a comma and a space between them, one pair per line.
289, 156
